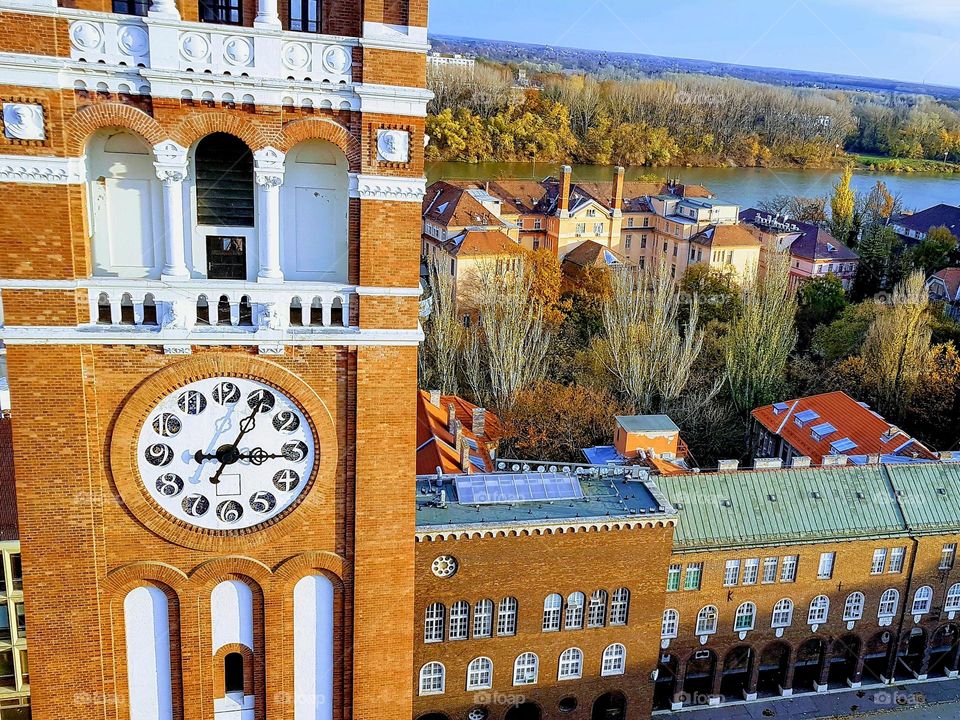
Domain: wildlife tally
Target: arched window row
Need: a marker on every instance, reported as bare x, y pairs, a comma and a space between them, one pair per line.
440, 624
599, 610
526, 669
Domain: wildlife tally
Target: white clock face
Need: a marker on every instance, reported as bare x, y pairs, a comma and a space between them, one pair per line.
226, 453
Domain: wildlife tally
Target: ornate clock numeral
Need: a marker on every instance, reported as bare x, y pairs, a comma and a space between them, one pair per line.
286, 421
166, 424
192, 402
226, 393
262, 398
159, 454
230, 511
294, 451
262, 502
195, 505
286, 480
170, 485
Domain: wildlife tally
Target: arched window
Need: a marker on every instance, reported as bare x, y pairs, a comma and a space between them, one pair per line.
433, 623
819, 609
952, 603
669, 624
707, 620
126, 310
888, 603
744, 618
480, 674
233, 673
551, 612
224, 178
483, 619
782, 614
149, 310
432, 677
246, 311
614, 660
507, 617
597, 615
922, 600
104, 315
305, 15
853, 607
203, 310
223, 311
574, 614
571, 664
619, 606
525, 669
459, 620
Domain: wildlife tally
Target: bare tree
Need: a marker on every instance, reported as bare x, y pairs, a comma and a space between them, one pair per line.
506, 351
898, 344
443, 334
645, 349
761, 335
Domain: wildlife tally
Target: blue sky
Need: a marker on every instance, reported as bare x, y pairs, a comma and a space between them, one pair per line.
915, 40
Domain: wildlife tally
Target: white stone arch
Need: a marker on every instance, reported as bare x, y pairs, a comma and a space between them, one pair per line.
231, 614
313, 648
314, 215
146, 619
125, 205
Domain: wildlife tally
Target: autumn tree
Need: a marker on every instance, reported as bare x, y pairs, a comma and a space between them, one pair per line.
842, 205
645, 349
898, 344
761, 336
443, 334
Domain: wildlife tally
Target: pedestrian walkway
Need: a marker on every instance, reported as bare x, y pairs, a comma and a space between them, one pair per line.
913, 700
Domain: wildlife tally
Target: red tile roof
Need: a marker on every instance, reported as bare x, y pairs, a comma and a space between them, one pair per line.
451, 206
849, 418
719, 236
436, 445
950, 277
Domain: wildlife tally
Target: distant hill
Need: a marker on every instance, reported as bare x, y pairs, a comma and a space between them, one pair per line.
597, 61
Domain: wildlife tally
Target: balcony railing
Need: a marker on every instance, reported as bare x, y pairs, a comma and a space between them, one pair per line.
303, 307
203, 48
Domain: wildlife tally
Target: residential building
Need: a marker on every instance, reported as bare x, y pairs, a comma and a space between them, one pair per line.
449, 209
814, 252
590, 254
831, 427
209, 276
712, 587
944, 286
728, 249
455, 436
913, 228
451, 60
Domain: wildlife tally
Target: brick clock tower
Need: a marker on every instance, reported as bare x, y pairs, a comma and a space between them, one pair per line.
209, 272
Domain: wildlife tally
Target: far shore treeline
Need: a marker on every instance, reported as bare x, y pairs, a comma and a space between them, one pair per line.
677, 119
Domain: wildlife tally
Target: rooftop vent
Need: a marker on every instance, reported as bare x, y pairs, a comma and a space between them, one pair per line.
816, 495
726, 503
890, 434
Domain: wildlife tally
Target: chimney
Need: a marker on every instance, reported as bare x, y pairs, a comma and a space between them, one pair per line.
464, 454
451, 418
435, 398
617, 189
479, 424
563, 205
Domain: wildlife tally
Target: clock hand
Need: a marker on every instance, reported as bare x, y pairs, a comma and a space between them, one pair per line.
229, 452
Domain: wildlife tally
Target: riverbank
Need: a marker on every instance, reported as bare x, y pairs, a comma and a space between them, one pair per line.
883, 163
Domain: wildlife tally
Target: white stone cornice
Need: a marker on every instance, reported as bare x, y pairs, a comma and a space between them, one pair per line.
41, 170
385, 187
395, 37
393, 99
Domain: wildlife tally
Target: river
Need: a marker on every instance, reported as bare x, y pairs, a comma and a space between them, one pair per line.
746, 187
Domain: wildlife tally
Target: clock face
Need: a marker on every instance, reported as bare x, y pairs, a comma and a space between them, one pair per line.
226, 453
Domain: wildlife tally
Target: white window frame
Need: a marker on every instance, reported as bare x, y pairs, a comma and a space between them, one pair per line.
788, 568
948, 556
745, 618
669, 624
770, 567
707, 620
731, 573
480, 674
526, 668
879, 561
751, 571
619, 606
434, 623
819, 610
693, 570
552, 605
675, 571
952, 601
507, 617
570, 665
573, 615
897, 557
825, 566
459, 621
889, 602
922, 600
433, 678
853, 606
483, 619
597, 610
614, 660
783, 607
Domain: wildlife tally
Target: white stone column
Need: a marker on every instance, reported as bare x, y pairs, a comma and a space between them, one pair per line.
171, 168
165, 9
267, 15
268, 168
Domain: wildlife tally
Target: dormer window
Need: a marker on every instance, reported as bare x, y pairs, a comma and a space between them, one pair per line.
822, 431
842, 445
802, 418
780, 407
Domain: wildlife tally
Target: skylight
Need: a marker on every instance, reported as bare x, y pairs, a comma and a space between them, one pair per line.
842, 445
779, 407
492, 488
822, 430
802, 418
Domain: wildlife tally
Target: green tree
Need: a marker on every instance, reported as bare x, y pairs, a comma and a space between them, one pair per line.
880, 265
761, 336
717, 291
845, 336
820, 300
934, 251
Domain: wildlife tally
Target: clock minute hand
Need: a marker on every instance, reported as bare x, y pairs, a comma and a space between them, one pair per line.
246, 425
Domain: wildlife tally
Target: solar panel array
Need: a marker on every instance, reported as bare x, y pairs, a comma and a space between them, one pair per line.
489, 489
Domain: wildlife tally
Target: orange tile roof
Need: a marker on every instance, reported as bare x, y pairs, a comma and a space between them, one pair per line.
436, 445
951, 280
483, 242
849, 418
727, 236
452, 206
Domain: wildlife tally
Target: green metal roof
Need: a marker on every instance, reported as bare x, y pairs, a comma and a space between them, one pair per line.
775, 506
929, 495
